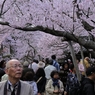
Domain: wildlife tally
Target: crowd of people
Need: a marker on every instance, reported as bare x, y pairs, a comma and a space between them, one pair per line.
46, 78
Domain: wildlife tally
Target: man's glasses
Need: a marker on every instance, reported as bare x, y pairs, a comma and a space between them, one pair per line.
16, 66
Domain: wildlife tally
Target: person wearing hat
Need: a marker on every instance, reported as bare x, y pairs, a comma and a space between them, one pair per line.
41, 64
41, 81
88, 83
25, 64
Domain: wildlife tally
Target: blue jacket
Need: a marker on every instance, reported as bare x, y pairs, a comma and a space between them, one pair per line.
56, 65
72, 82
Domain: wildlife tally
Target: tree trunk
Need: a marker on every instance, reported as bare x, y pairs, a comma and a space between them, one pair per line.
74, 60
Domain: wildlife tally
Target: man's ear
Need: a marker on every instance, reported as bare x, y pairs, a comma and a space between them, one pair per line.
6, 71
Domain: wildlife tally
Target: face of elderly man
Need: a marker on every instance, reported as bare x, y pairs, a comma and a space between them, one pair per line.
14, 69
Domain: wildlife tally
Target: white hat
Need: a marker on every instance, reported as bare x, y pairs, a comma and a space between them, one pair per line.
41, 64
25, 63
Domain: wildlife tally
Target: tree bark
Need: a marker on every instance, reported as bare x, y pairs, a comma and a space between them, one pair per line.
74, 60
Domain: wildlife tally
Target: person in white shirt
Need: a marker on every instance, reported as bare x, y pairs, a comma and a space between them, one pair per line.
49, 68
34, 65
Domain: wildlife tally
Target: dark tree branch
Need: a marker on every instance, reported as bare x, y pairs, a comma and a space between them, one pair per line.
41, 0
4, 23
34, 50
93, 21
1, 12
67, 15
86, 43
88, 12
93, 2
87, 26
78, 12
19, 9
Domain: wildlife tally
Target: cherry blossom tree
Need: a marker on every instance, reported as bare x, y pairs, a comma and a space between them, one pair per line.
73, 20
64, 18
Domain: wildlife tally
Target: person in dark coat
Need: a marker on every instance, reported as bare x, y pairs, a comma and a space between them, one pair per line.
72, 81
88, 83
2, 67
64, 73
25, 70
41, 81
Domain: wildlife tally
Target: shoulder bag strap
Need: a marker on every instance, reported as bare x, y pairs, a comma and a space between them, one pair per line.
39, 79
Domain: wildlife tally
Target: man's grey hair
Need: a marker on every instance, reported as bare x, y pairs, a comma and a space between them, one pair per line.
10, 61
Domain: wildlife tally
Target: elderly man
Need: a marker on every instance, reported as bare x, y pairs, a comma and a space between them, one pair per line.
14, 86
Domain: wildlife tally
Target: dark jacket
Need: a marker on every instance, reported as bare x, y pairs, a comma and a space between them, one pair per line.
63, 76
88, 87
2, 72
72, 84
41, 84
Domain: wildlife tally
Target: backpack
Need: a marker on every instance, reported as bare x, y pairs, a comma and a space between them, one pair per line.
79, 89
54, 63
76, 90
